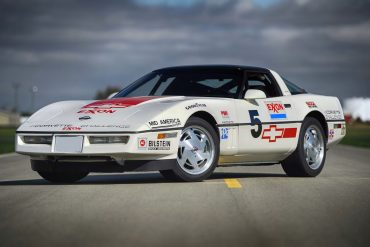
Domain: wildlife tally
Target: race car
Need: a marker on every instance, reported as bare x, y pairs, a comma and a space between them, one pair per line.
184, 122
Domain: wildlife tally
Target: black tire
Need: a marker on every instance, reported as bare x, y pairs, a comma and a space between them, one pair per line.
179, 174
169, 175
62, 176
296, 165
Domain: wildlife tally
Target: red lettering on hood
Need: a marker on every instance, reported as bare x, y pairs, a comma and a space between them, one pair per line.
106, 106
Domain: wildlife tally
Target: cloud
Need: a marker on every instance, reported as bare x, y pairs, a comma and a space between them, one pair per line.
69, 49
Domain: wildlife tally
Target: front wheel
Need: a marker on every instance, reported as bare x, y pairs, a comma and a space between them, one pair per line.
197, 154
309, 157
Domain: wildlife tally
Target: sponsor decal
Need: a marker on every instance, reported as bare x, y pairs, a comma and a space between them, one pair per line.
71, 128
159, 145
196, 105
276, 110
343, 131
81, 126
224, 133
311, 104
109, 106
107, 126
169, 122
142, 143
224, 114
84, 118
272, 133
96, 110
333, 115
331, 134
153, 123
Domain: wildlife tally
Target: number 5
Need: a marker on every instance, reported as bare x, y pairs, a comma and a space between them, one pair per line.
253, 114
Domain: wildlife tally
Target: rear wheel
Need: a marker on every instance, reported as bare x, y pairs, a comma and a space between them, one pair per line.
309, 157
197, 154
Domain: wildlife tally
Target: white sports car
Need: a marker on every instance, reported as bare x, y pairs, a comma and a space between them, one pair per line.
185, 121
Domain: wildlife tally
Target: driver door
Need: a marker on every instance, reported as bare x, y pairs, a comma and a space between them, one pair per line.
267, 131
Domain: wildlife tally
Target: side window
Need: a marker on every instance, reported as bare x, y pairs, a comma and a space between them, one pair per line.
294, 89
263, 82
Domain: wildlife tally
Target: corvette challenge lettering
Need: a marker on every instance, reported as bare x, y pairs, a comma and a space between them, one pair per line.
333, 115
108, 106
272, 133
276, 110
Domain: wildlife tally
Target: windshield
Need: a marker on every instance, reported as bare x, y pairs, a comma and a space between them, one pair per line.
184, 83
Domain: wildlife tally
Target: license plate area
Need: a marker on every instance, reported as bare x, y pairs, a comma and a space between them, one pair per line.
68, 144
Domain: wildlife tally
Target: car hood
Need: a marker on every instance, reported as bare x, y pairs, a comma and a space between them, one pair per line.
121, 114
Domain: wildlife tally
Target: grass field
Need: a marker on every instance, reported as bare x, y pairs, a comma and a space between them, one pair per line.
7, 138
358, 134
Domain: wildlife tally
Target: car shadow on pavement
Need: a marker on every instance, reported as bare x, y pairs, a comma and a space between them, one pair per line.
134, 178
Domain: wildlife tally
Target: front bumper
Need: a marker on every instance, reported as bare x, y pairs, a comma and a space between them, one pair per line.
140, 145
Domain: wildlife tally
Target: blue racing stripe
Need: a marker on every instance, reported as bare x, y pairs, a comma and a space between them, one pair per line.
280, 115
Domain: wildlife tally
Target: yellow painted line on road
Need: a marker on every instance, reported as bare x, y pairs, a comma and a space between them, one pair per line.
232, 183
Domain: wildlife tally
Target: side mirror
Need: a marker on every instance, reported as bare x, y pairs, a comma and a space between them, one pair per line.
112, 95
254, 94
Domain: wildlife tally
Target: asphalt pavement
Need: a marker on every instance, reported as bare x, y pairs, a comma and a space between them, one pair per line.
237, 206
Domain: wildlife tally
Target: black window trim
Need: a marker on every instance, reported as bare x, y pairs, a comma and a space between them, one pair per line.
267, 72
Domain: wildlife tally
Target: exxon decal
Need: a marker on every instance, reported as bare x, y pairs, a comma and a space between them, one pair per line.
276, 110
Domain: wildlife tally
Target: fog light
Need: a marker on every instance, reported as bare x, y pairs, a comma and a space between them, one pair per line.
108, 139
37, 139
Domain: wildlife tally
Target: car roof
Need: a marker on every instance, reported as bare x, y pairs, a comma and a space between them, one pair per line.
212, 67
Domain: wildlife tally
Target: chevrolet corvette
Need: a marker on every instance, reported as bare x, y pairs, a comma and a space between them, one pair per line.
184, 122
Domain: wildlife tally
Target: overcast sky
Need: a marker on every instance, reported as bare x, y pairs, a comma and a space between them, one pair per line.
70, 49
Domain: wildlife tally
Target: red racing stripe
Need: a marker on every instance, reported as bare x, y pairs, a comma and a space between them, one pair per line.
290, 133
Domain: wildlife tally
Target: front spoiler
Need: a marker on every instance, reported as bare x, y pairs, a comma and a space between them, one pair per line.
103, 166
